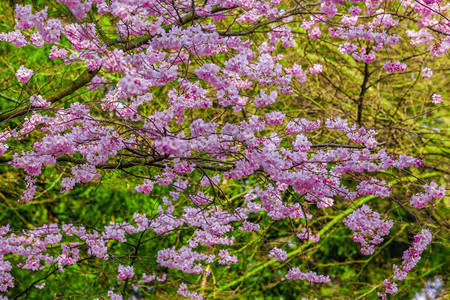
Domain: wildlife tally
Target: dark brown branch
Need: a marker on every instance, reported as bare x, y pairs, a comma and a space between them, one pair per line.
362, 93
136, 43
292, 12
78, 83
118, 165
133, 260
338, 145
154, 161
51, 272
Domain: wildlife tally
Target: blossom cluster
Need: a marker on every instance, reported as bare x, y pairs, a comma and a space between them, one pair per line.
278, 254
432, 191
310, 276
395, 66
411, 257
368, 228
24, 74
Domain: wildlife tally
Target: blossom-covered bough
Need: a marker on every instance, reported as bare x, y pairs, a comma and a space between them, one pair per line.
188, 97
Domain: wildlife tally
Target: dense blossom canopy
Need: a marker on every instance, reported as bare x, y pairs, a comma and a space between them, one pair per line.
189, 91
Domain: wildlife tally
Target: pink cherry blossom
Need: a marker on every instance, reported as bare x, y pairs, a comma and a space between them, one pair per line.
278, 254
311, 276
437, 99
146, 187
125, 272
24, 74
393, 67
427, 72
316, 69
368, 228
315, 33
41, 286
183, 291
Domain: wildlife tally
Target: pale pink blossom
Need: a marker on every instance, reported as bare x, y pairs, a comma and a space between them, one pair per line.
278, 254
437, 99
427, 72
24, 74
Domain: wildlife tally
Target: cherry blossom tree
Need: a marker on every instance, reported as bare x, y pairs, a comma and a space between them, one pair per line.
194, 105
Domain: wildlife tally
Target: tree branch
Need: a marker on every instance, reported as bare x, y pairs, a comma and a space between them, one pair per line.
78, 83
